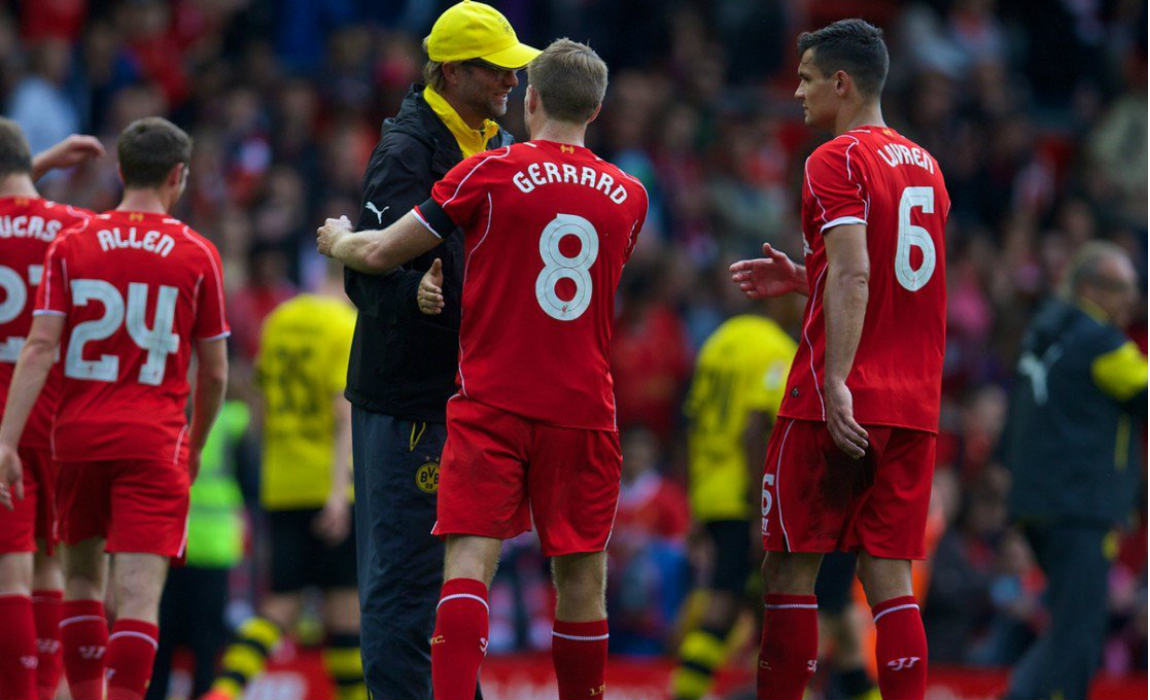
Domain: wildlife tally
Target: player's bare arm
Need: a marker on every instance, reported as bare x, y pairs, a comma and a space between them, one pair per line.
377, 250
211, 384
36, 358
333, 522
844, 304
70, 152
770, 276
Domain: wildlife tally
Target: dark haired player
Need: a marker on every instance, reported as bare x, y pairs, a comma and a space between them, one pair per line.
31, 584
130, 292
850, 461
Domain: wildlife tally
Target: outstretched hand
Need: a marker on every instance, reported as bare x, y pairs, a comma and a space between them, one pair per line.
770, 276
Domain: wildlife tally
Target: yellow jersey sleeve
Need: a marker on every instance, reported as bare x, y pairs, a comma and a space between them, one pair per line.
1121, 373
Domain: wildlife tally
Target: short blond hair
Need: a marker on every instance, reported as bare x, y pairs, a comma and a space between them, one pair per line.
571, 80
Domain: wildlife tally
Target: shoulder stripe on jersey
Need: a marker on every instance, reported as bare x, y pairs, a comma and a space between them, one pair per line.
810, 187
215, 270
850, 176
506, 150
842, 221
466, 268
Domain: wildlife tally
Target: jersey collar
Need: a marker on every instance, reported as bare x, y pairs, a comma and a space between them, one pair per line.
471, 141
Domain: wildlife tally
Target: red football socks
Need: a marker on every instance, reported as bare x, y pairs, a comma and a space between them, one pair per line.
17, 648
579, 652
46, 611
84, 645
900, 649
131, 652
460, 640
788, 654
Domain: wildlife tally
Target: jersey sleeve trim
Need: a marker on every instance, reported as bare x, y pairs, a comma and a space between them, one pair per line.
217, 336
432, 216
47, 312
842, 221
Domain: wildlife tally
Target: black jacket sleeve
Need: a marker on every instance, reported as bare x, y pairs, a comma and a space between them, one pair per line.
397, 179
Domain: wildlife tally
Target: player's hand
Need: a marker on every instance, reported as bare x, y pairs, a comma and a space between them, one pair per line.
333, 523
771, 276
849, 436
330, 233
11, 477
72, 151
430, 294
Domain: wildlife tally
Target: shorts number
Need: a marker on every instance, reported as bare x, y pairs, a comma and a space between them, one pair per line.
911, 236
557, 266
768, 500
159, 340
15, 297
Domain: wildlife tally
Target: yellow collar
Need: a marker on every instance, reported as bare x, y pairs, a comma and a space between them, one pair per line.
1092, 310
471, 141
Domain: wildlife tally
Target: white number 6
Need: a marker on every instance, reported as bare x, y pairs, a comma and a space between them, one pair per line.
911, 236
557, 266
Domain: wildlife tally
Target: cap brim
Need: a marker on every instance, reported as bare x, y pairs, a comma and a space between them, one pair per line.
512, 58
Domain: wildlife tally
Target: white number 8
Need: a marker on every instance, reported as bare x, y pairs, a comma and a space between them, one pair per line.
557, 266
911, 236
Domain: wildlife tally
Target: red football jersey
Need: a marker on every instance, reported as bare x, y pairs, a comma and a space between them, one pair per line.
874, 176
547, 229
136, 289
28, 225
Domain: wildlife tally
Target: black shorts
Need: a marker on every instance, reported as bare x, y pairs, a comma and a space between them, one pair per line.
731, 540
833, 586
301, 559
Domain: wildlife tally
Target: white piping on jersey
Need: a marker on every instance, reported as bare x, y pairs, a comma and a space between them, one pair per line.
215, 270
82, 618
506, 151
842, 221
779, 485
792, 606
420, 219
866, 204
466, 268
807, 177
179, 441
807, 340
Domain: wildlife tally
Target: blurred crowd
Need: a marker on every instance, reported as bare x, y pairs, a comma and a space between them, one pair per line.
1036, 110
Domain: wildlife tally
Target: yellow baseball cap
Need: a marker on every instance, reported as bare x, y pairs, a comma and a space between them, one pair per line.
470, 30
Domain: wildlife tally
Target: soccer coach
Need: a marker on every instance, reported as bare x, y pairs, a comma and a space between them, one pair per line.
403, 363
1072, 445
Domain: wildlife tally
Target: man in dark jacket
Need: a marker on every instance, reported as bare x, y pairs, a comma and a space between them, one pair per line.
403, 363
1072, 443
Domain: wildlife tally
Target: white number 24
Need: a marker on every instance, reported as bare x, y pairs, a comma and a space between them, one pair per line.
159, 340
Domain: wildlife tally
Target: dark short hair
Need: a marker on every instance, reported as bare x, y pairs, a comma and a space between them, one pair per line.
148, 150
15, 156
851, 45
571, 80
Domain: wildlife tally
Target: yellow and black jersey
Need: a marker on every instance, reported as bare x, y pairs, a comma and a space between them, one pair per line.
301, 369
742, 368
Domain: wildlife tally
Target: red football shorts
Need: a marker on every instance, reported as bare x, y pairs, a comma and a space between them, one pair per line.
499, 471
34, 517
817, 499
139, 506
